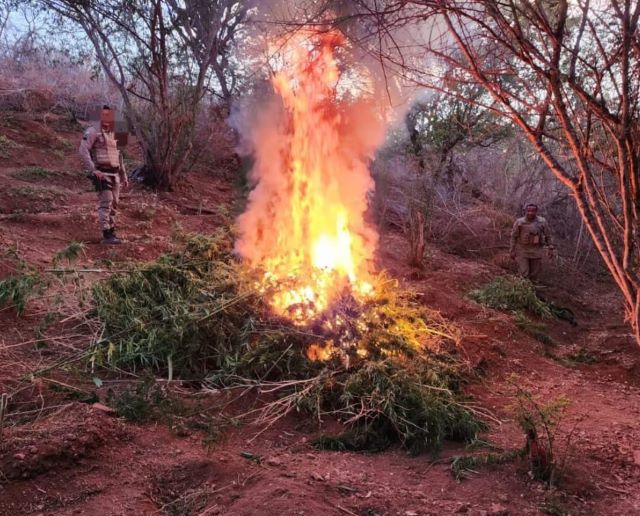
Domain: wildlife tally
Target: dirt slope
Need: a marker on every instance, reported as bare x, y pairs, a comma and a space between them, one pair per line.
74, 458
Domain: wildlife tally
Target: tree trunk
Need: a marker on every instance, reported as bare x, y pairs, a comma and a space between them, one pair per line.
417, 222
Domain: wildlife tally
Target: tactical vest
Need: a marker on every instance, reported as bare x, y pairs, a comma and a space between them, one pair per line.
532, 233
105, 151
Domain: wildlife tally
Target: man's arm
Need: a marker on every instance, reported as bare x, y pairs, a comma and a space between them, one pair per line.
86, 144
515, 231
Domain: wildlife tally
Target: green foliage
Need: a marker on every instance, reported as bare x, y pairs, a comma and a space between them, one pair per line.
33, 174
65, 145
511, 293
540, 423
535, 329
462, 466
212, 431
8, 119
167, 311
6, 146
449, 121
563, 313
582, 356
196, 314
394, 400
69, 253
146, 402
36, 193
17, 288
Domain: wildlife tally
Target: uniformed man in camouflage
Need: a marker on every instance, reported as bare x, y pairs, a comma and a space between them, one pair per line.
105, 168
529, 237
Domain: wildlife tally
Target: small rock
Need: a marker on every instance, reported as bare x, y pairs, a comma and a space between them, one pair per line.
345, 489
103, 408
317, 476
274, 461
410, 513
33, 450
247, 455
463, 509
19, 456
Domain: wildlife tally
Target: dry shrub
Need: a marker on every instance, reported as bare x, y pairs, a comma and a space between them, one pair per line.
473, 230
23, 99
394, 176
41, 82
471, 208
214, 141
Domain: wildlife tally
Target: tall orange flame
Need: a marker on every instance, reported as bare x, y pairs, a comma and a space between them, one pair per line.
305, 221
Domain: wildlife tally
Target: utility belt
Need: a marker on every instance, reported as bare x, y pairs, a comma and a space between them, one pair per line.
113, 171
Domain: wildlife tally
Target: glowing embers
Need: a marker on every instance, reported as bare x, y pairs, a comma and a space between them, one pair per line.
303, 298
388, 324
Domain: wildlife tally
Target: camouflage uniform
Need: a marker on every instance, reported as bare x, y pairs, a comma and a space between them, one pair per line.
98, 150
528, 239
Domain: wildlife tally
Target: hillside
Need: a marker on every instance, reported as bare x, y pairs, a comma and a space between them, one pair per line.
61, 453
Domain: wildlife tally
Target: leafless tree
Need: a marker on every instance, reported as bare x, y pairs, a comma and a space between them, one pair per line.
160, 54
5, 11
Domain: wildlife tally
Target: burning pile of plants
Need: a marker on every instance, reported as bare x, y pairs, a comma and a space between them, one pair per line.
387, 368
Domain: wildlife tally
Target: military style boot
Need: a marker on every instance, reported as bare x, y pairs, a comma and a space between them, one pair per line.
109, 237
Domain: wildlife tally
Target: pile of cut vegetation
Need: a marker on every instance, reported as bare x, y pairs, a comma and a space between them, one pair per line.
388, 369
512, 294
519, 297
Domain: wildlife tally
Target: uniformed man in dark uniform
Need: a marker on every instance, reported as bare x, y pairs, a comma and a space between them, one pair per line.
104, 165
529, 237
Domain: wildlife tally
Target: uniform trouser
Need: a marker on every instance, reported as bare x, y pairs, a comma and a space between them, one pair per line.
108, 205
529, 267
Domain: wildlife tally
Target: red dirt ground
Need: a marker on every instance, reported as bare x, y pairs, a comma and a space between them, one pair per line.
71, 458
